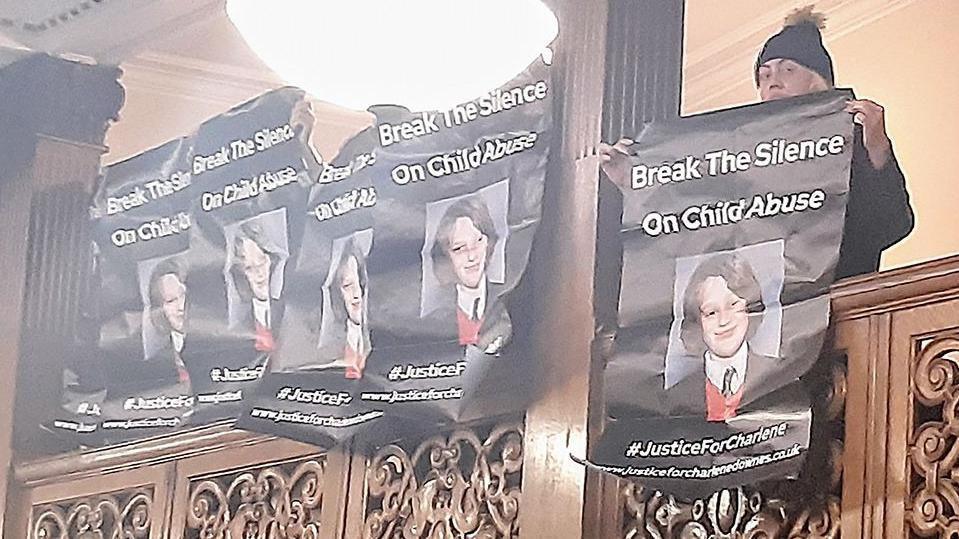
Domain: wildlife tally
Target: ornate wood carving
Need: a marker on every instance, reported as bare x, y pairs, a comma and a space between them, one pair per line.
807, 508
933, 504
738, 513
452, 485
127, 514
280, 501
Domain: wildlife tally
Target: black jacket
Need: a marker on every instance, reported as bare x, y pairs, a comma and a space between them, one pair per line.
878, 213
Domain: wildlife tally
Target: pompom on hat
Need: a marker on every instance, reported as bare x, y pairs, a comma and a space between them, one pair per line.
800, 40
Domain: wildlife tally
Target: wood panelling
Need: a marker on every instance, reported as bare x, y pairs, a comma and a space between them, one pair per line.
58, 260
15, 196
124, 504
853, 339
920, 485
898, 330
219, 483
268, 488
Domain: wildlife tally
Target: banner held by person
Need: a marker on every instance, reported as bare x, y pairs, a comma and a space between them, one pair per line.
731, 229
459, 201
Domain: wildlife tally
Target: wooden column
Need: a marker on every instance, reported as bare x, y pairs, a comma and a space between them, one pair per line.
644, 43
553, 485
15, 195
54, 116
899, 332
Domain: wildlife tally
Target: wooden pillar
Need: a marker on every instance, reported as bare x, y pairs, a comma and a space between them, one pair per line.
14, 217
54, 117
643, 84
617, 65
644, 42
554, 485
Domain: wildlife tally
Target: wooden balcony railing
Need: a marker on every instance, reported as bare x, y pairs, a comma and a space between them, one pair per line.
899, 331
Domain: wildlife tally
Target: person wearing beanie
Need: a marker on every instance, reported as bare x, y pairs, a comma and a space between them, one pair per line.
795, 62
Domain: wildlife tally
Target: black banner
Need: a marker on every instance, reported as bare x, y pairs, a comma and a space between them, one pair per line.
732, 223
192, 241
414, 245
460, 197
135, 381
240, 275
252, 170
313, 391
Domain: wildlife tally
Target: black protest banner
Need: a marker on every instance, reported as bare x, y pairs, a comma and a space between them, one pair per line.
252, 168
731, 229
379, 283
459, 197
192, 240
134, 381
312, 392
413, 210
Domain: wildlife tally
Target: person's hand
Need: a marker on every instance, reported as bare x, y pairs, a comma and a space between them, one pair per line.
614, 161
871, 116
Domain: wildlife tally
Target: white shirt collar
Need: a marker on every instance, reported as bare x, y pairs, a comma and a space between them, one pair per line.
261, 311
466, 297
716, 369
177, 338
354, 336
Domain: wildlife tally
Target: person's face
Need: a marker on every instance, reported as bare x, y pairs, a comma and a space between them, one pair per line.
173, 295
351, 291
256, 266
467, 252
781, 78
723, 317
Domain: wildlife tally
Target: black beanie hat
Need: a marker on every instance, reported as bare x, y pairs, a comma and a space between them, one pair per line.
800, 41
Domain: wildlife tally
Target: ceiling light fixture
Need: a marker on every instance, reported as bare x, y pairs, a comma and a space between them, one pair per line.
422, 54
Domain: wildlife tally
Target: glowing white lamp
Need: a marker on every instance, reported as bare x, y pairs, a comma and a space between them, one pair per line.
422, 54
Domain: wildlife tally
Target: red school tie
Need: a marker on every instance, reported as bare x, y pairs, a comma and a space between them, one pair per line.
264, 339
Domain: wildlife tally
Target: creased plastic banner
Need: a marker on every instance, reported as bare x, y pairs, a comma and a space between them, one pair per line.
313, 391
129, 377
240, 274
460, 198
252, 171
412, 253
732, 223
192, 241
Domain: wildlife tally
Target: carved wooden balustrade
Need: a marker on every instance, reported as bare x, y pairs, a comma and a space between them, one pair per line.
450, 485
218, 483
901, 335
124, 514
